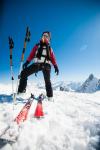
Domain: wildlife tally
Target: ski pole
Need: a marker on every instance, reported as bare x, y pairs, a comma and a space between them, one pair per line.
27, 39
11, 46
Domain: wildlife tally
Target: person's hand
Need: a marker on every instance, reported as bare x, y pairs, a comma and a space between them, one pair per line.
56, 69
25, 64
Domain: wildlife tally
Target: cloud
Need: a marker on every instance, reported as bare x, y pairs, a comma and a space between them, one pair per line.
83, 48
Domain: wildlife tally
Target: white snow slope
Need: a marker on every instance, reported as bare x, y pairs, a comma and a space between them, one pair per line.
71, 122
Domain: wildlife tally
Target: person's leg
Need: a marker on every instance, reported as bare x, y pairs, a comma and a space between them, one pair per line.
24, 74
46, 73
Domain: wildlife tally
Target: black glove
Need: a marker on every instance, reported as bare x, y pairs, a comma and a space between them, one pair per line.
25, 64
56, 69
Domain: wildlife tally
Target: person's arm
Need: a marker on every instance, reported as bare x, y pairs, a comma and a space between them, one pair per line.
32, 54
53, 60
52, 57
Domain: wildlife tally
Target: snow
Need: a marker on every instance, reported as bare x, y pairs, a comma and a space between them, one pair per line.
71, 122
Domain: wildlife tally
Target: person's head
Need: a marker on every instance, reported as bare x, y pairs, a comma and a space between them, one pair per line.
46, 36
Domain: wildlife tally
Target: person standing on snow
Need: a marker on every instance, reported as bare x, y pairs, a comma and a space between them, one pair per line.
43, 56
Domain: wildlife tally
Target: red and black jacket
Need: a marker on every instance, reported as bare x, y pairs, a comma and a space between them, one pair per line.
34, 52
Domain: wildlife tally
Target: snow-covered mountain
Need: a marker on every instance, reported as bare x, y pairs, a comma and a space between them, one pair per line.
92, 84
63, 86
66, 86
71, 122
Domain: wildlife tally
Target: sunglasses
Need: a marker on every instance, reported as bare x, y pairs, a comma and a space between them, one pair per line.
46, 35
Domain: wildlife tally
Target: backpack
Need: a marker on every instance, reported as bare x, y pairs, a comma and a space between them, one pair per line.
41, 47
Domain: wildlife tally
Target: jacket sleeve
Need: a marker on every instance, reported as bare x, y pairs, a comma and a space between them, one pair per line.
52, 57
32, 54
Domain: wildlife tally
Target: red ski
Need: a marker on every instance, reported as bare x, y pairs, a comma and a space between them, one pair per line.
39, 108
22, 116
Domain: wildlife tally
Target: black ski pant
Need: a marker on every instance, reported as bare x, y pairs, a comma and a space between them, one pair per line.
34, 68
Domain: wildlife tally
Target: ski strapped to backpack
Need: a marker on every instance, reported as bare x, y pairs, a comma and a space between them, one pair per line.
27, 39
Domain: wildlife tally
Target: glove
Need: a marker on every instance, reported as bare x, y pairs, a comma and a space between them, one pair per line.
56, 69
25, 64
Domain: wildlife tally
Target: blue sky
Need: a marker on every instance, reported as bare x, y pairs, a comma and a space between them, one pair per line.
75, 28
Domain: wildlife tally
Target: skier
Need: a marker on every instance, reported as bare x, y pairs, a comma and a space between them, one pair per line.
43, 56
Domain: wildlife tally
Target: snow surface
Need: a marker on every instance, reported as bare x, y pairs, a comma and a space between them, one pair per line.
71, 122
